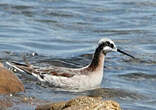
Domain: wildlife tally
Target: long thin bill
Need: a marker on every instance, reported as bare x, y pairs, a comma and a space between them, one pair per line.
125, 53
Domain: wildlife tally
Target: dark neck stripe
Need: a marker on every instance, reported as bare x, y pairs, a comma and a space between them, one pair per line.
96, 57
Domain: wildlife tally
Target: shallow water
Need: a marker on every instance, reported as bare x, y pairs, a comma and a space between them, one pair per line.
65, 33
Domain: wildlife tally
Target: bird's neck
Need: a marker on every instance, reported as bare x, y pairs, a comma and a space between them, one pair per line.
97, 63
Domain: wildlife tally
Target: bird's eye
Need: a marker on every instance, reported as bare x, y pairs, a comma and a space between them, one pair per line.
107, 43
111, 45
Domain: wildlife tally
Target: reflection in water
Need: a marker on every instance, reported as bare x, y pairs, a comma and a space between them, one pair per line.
138, 76
113, 93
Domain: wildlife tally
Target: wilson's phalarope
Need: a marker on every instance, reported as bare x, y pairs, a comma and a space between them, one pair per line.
85, 78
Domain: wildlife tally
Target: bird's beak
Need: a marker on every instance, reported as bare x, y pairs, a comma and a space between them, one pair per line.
118, 50
114, 49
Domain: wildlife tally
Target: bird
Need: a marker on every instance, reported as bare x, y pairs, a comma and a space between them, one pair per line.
84, 78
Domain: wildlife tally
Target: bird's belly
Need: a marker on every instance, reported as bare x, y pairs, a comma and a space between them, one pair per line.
84, 82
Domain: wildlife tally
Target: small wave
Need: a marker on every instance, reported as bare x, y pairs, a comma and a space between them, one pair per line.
138, 76
112, 93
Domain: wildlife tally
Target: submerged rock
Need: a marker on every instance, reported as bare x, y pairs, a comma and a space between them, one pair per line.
82, 103
9, 83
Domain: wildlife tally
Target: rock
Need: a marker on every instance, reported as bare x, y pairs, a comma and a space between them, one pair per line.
9, 83
82, 103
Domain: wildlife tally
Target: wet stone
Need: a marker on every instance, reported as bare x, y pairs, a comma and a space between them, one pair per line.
9, 83
82, 103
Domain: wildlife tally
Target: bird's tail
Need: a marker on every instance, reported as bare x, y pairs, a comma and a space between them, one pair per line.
27, 67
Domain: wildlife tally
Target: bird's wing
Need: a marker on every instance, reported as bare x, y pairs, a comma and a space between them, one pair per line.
52, 70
